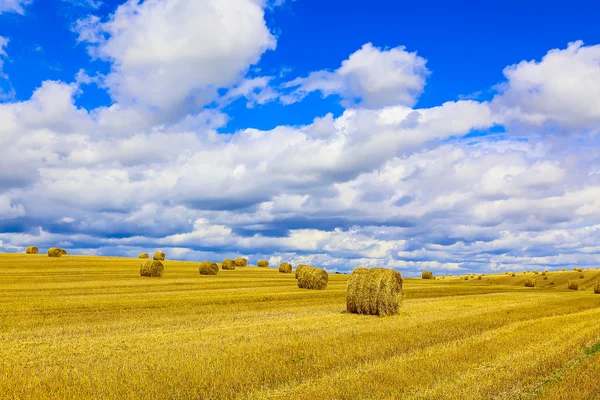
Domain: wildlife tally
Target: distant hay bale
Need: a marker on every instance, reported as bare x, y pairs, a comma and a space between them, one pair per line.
208, 268
513, 274
530, 282
285, 268
544, 273
228, 265
313, 278
581, 276
467, 278
263, 264
159, 256
55, 252
480, 277
524, 272
152, 268
143, 255
564, 269
241, 262
32, 250
597, 288
573, 285
299, 269
545, 277
374, 291
551, 283
535, 271
427, 275
578, 269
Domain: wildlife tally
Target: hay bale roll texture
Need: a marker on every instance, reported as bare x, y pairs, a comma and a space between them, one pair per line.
228, 265
143, 255
285, 268
55, 252
208, 268
374, 291
152, 268
573, 285
263, 264
313, 278
63, 251
159, 256
299, 269
241, 262
32, 250
530, 282
427, 275
597, 288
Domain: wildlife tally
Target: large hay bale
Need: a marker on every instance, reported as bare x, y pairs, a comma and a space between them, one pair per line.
374, 291
32, 250
228, 265
313, 278
263, 264
241, 262
597, 288
159, 256
573, 285
143, 255
55, 252
63, 251
299, 269
530, 282
208, 268
285, 268
152, 268
427, 275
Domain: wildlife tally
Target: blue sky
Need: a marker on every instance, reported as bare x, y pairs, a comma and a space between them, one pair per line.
455, 137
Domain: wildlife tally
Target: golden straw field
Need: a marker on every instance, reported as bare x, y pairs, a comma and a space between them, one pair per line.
92, 328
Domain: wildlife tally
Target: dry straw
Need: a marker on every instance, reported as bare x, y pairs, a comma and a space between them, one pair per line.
285, 268
143, 255
513, 274
208, 268
228, 265
530, 282
299, 269
427, 275
54, 252
597, 288
313, 278
63, 251
374, 291
241, 262
573, 285
159, 256
152, 268
263, 264
32, 250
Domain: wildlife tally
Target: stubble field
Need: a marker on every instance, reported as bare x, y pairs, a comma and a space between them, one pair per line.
92, 328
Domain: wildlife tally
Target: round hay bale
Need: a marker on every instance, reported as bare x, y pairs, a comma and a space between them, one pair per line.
374, 291
152, 268
63, 251
159, 256
241, 262
208, 268
143, 255
530, 282
55, 252
285, 268
299, 269
228, 265
313, 278
32, 250
263, 264
573, 285
427, 275
513, 274
597, 288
